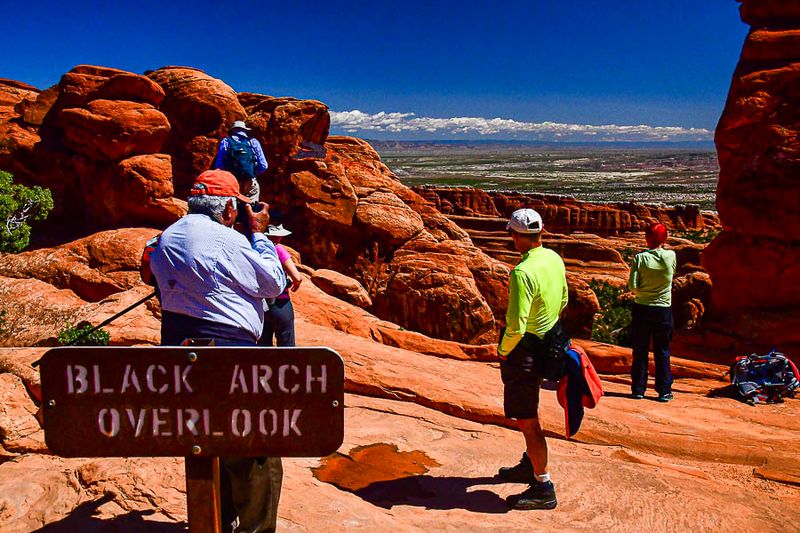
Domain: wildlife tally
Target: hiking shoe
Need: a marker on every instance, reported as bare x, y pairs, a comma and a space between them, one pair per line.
538, 496
521, 473
636, 396
664, 398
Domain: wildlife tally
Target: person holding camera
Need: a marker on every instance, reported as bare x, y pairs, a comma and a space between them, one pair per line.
213, 282
537, 295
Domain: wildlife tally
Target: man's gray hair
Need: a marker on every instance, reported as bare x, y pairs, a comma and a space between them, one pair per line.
213, 206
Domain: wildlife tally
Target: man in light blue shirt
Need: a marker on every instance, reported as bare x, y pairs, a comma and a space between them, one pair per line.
213, 281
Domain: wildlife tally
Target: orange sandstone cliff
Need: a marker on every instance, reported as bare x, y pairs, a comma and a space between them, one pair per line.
755, 262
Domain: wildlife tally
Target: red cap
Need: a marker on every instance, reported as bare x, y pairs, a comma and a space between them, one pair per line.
217, 183
656, 234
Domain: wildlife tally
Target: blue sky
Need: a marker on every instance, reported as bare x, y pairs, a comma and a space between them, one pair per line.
437, 69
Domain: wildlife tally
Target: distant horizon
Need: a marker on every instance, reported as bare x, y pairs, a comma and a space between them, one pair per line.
572, 70
391, 125
521, 142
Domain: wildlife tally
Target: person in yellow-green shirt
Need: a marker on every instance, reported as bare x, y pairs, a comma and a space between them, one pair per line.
537, 295
651, 281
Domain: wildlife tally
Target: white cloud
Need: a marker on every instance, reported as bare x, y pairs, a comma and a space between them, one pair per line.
356, 121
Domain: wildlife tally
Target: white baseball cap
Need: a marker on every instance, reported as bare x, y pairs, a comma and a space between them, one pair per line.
525, 221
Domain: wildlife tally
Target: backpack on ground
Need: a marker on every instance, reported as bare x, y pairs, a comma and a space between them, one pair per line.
764, 378
240, 159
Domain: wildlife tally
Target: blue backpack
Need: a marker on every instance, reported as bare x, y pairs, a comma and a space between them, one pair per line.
764, 378
240, 159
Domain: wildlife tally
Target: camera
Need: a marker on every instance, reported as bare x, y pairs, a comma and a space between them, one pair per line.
241, 214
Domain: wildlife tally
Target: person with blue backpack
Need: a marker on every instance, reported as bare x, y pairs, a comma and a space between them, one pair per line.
242, 156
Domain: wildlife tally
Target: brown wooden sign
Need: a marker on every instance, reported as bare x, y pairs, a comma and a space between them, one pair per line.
193, 401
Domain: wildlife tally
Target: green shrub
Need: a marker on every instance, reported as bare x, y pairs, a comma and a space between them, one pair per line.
611, 323
3, 324
627, 254
699, 236
20, 205
78, 336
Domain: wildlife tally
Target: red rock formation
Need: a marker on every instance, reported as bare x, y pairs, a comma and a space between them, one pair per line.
115, 145
342, 287
200, 110
78, 138
358, 219
113, 130
563, 214
93, 268
138, 191
754, 262
124, 146
19, 430
765, 13
15, 136
287, 126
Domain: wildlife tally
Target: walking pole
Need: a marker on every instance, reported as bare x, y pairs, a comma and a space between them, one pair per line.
104, 323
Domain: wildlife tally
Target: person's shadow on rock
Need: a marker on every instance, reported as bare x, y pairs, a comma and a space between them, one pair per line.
436, 493
83, 518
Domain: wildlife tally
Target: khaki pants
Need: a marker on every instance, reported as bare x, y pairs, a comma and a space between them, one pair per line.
251, 189
251, 489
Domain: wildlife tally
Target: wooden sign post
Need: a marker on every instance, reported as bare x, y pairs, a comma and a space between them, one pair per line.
198, 402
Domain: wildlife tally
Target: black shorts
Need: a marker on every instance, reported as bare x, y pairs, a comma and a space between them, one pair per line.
522, 381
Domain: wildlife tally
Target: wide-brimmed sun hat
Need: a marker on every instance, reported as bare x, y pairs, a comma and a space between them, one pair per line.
277, 231
239, 125
525, 221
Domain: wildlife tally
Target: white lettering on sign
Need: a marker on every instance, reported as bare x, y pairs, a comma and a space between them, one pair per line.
137, 423
76, 375
238, 381
108, 422
157, 379
261, 376
290, 423
191, 423
282, 378
158, 422
130, 379
290, 380
156, 382
241, 424
262, 422
151, 379
165, 422
207, 425
322, 379
97, 388
181, 379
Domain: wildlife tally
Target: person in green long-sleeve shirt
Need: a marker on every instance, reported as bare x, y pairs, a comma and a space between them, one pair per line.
537, 295
651, 281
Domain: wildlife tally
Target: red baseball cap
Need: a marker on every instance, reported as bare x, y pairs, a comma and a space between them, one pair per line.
656, 234
217, 183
